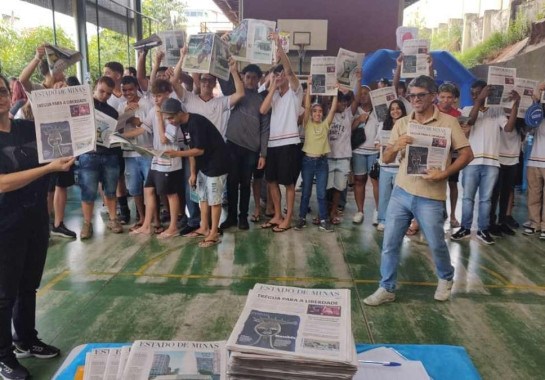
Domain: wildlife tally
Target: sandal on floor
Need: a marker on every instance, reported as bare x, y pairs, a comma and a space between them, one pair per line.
167, 235
194, 234
280, 229
209, 243
268, 225
255, 218
135, 227
335, 221
158, 230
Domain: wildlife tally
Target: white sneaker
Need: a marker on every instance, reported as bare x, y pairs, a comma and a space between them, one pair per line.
380, 227
375, 218
379, 297
358, 218
444, 287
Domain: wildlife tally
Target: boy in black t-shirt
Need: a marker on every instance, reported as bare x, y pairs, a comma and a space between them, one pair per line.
209, 164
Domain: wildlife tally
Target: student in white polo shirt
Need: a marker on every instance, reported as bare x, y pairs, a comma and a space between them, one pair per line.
484, 126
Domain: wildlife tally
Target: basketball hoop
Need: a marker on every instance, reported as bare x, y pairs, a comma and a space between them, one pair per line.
301, 39
301, 51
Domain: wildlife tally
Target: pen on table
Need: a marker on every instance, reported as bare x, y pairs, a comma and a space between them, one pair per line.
383, 363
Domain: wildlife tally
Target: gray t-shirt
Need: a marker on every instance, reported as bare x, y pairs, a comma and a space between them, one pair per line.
339, 134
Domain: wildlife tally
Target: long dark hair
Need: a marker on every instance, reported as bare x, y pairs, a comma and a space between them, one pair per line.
389, 122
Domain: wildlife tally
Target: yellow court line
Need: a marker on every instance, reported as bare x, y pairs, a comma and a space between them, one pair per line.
64, 274
58, 278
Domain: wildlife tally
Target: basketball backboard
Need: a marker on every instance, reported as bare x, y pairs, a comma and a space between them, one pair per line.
310, 33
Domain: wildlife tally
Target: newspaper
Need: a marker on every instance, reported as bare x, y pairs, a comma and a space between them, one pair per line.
285, 41
525, 88
404, 33
59, 58
173, 41
116, 138
501, 81
429, 150
65, 121
347, 64
152, 359
383, 139
105, 126
250, 41
207, 53
112, 364
324, 76
381, 99
415, 58
124, 356
147, 43
95, 364
303, 333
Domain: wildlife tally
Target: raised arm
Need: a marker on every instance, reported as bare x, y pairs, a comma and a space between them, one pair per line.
431, 71
477, 104
27, 72
294, 82
176, 85
239, 86
141, 70
159, 55
332, 110
510, 126
267, 102
397, 73
357, 93
306, 115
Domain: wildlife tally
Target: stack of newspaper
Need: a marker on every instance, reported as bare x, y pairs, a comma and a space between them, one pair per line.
156, 359
293, 333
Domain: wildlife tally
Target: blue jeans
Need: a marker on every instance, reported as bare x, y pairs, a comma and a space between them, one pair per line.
484, 178
136, 172
386, 183
94, 168
314, 166
194, 219
429, 214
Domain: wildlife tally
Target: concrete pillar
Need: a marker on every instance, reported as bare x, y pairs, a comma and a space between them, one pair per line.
469, 18
487, 23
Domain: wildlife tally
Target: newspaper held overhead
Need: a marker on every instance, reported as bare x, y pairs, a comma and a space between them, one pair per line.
147, 43
324, 76
525, 88
65, 122
381, 99
285, 41
173, 41
501, 81
59, 58
404, 33
207, 53
415, 58
429, 150
153, 359
250, 41
293, 332
347, 65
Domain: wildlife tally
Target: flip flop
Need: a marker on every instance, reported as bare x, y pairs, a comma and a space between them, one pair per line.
209, 243
158, 230
194, 234
167, 235
269, 225
335, 221
137, 232
255, 218
280, 229
135, 227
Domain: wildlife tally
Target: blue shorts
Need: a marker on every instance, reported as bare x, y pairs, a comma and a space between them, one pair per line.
136, 172
362, 163
94, 168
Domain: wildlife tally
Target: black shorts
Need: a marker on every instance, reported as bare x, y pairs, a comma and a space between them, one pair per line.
61, 179
258, 173
456, 176
165, 183
283, 164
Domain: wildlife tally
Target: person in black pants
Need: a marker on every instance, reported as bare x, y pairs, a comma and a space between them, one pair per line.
24, 235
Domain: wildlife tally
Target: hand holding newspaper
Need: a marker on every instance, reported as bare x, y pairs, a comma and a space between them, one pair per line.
525, 88
429, 150
207, 53
501, 81
415, 58
381, 99
59, 58
324, 76
347, 65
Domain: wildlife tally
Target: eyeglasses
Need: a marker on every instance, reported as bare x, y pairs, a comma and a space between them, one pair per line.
418, 96
4, 92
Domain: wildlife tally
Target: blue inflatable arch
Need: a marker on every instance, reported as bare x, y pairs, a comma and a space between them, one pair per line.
381, 63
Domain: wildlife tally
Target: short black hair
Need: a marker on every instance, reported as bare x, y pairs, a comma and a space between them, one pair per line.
251, 68
424, 81
160, 86
106, 80
278, 69
115, 66
127, 79
450, 88
162, 68
131, 70
73, 81
479, 83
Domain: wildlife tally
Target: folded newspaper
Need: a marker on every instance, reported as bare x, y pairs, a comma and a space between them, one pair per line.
293, 333
116, 138
59, 58
148, 43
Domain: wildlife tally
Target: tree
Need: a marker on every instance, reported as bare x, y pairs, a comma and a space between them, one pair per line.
169, 13
113, 47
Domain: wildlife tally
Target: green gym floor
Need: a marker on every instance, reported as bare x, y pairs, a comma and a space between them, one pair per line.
119, 288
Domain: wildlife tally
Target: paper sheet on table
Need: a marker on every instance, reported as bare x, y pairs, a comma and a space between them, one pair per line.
409, 369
